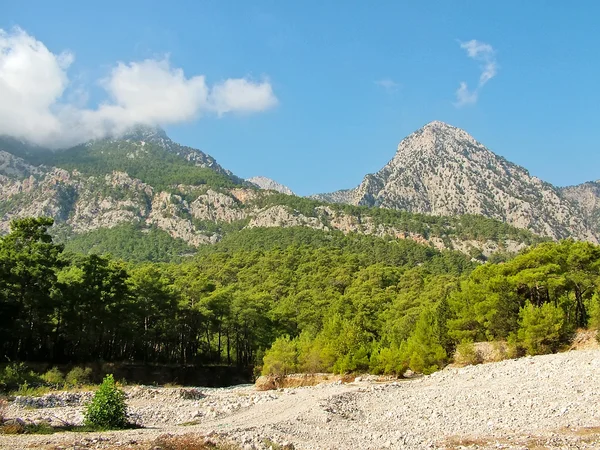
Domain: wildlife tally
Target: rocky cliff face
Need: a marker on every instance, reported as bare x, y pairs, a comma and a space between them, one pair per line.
587, 196
269, 184
442, 170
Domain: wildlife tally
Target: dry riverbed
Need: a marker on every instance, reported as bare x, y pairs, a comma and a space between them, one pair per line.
550, 401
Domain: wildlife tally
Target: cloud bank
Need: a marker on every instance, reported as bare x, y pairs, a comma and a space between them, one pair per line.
485, 54
34, 105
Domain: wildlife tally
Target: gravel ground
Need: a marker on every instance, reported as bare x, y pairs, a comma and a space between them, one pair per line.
550, 401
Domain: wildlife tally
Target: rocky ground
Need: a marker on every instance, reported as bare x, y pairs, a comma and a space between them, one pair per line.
542, 402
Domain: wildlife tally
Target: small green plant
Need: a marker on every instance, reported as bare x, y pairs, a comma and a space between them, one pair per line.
107, 408
78, 376
54, 377
14, 375
31, 391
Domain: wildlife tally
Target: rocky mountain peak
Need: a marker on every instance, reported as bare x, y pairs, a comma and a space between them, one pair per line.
437, 138
145, 133
443, 170
269, 184
438, 125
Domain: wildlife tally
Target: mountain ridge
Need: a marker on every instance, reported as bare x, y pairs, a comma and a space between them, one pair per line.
442, 170
145, 179
270, 184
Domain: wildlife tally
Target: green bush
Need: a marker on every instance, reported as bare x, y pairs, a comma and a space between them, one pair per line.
107, 408
54, 377
387, 361
15, 375
78, 376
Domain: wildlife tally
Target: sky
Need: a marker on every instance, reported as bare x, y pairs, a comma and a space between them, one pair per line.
314, 94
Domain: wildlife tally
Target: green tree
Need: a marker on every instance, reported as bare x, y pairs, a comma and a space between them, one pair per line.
542, 329
423, 352
281, 358
28, 264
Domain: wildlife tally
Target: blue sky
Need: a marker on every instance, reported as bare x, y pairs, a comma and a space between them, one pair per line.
333, 86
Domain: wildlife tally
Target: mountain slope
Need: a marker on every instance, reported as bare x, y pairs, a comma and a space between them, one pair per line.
587, 196
145, 186
146, 154
442, 170
269, 184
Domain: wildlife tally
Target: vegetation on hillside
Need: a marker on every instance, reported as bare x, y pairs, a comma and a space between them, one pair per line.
149, 163
304, 300
130, 242
463, 227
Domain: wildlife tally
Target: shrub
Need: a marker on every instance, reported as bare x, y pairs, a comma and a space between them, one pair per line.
78, 376
16, 375
466, 354
54, 377
387, 361
107, 408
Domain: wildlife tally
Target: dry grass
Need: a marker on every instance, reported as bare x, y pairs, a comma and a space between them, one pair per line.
562, 438
190, 442
12, 428
267, 383
585, 340
458, 443
164, 442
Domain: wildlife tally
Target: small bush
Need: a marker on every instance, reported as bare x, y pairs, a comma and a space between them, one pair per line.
467, 354
54, 377
107, 408
15, 375
79, 376
32, 391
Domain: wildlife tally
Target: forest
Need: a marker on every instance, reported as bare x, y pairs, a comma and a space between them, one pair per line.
289, 300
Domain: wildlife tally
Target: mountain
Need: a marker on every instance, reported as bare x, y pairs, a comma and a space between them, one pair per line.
270, 185
142, 186
442, 170
587, 196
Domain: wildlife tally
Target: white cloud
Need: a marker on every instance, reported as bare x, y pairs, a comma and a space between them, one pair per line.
464, 96
388, 84
485, 54
35, 106
241, 95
